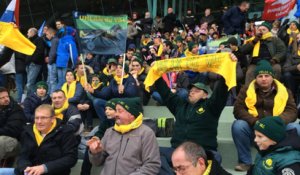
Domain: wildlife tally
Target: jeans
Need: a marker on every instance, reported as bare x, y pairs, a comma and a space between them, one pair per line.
33, 71
183, 93
52, 78
61, 75
243, 137
7, 171
99, 106
156, 96
20, 81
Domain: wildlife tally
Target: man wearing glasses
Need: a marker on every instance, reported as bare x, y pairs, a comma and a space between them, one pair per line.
190, 158
47, 146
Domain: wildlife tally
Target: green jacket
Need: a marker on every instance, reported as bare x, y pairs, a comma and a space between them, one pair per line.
285, 156
275, 46
195, 122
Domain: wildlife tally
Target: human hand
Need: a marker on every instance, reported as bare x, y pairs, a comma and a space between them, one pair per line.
35, 170
233, 57
95, 145
257, 37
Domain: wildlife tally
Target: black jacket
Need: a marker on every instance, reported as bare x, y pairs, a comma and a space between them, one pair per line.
216, 168
170, 22
38, 56
31, 103
20, 62
58, 151
12, 120
234, 21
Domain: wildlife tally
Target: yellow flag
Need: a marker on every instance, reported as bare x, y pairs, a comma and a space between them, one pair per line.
219, 63
11, 37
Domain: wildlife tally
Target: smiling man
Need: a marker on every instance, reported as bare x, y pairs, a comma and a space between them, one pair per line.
265, 96
129, 147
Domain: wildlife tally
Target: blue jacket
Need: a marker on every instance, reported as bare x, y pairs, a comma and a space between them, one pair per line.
31, 103
63, 51
130, 89
234, 21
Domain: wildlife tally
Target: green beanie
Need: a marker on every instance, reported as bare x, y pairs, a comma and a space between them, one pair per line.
296, 23
139, 61
132, 105
112, 103
272, 127
264, 67
42, 84
178, 38
126, 68
267, 25
191, 45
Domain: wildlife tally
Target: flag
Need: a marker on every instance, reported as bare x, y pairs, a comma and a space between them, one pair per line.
105, 35
40, 31
219, 63
11, 13
11, 37
297, 14
277, 9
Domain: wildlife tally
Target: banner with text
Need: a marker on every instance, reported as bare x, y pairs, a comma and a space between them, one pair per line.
277, 9
104, 35
219, 63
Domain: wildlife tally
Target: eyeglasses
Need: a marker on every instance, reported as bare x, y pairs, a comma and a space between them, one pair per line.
43, 118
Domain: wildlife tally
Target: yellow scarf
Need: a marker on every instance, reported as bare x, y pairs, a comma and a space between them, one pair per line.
298, 52
71, 91
280, 99
58, 112
118, 79
95, 86
255, 52
82, 79
187, 53
289, 31
141, 71
105, 71
208, 168
38, 136
160, 50
145, 42
126, 128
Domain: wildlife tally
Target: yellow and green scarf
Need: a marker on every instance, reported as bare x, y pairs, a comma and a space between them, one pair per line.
69, 90
289, 31
82, 79
255, 52
208, 168
126, 128
58, 112
118, 79
280, 99
38, 136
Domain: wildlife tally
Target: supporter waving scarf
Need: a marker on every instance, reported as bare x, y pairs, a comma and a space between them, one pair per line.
219, 63
58, 112
118, 79
280, 99
255, 52
126, 128
69, 90
289, 31
38, 136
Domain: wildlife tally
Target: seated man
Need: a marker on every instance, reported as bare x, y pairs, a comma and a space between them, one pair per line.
129, 147
190, 158
69, 114
265, 96
278, 150
12, 120
47, 146
36, 99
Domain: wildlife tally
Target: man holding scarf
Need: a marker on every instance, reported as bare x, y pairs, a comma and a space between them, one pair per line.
265, 96
129, 147
264, 45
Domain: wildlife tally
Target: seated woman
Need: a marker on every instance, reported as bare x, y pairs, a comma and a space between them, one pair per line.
72, 88
139, 74
278, 149
36, 99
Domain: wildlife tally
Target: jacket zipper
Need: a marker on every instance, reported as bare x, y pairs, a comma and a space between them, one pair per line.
125, 146
118, 155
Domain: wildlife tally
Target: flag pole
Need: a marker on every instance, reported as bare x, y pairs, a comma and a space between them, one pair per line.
84, 71
124, 56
